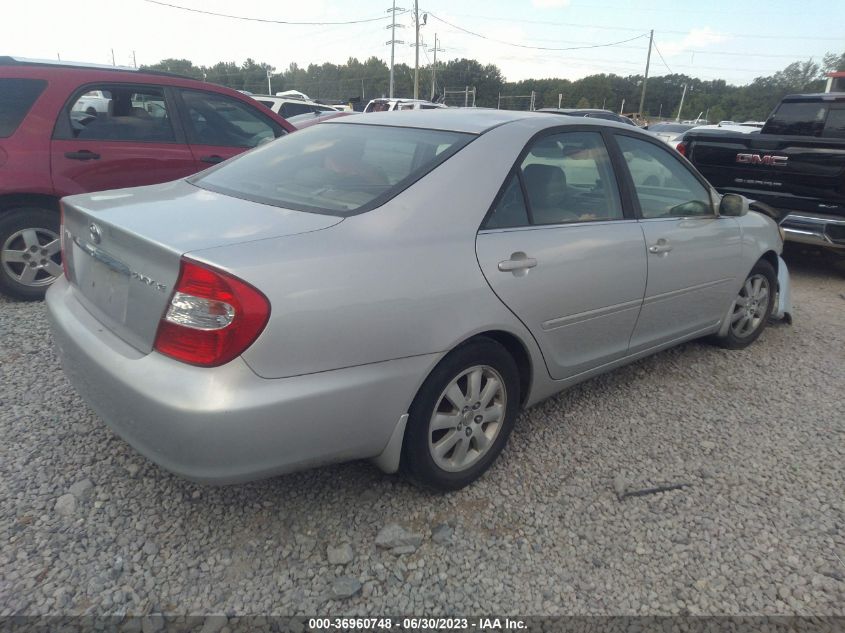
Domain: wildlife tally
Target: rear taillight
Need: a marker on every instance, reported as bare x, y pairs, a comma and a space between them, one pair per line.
682, 148
212, 317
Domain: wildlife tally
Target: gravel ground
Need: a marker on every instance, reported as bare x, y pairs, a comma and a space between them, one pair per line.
89, 526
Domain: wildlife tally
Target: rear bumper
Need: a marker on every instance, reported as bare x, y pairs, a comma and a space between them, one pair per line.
827, 231
226, 424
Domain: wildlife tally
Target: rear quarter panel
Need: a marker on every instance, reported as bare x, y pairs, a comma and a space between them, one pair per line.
399, 281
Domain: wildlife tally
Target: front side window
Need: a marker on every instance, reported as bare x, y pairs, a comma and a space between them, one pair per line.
334, 168
122, 113
665, 187
215, 119
16, 98
568, 178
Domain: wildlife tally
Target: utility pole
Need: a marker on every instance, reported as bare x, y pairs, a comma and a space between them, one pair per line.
622, 107
416, 49
112, 58
680, 109
559, 99
393, 42
134, 61
645, 79
269, 88
434, 67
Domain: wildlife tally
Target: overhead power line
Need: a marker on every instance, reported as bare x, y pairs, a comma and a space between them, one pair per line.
536, 48
661, 58
265, 20
634, 29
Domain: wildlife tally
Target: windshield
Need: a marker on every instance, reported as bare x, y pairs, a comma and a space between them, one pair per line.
334, 168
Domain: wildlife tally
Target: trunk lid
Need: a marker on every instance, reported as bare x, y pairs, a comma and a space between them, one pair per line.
123, 247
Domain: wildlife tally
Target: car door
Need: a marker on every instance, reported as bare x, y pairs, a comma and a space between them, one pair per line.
562, 252
220, 127
693, 254
132, 140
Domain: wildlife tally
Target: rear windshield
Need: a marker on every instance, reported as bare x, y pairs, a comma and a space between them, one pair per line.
338, 169
797, 118
16, 98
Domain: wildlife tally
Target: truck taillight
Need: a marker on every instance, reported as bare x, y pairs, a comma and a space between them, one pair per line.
682, 148
212, 316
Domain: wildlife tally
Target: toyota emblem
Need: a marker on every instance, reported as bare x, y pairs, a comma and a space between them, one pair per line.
95, 233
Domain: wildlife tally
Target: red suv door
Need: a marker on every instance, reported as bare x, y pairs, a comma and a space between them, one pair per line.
220, 127
132, 138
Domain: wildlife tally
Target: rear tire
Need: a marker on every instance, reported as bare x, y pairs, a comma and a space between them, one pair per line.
462, 416
752, 308
30, 255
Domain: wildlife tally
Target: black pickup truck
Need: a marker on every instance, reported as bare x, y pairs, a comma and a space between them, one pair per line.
795, 163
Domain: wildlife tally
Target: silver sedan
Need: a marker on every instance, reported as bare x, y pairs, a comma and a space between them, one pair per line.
396, 288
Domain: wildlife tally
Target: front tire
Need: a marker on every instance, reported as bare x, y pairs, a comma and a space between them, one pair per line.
30, 252
752, 307
462, 416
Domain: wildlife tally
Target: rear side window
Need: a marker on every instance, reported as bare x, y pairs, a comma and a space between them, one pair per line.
292, 109
834, 127
16, 98
334, 168
797, 119
122, 113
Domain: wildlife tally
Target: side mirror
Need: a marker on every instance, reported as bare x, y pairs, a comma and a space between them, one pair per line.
733, 205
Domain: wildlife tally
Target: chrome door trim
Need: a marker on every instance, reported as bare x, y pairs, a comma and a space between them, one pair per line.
675, 293
553, 324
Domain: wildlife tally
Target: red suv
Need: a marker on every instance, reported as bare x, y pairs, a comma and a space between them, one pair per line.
72, 129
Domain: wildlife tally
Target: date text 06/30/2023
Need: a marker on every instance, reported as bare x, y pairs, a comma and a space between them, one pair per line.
416, 624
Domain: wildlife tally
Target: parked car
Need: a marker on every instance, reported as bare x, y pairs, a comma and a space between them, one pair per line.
93, 102
669, 133
154, 127
795, 164
341, 293
291, 106
389, 105
313, 118
591, 113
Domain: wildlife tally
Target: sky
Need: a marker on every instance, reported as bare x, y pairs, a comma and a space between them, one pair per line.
734, 40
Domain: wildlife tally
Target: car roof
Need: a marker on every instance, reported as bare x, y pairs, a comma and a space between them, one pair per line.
817, 96
467, 120
6, 60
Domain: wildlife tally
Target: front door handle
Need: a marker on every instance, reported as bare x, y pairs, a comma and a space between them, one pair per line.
661, 247
519, 264
82, 154
213, 159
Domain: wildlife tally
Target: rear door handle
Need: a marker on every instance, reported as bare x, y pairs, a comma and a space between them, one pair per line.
661, 247
213, 159
519, 264
82, 154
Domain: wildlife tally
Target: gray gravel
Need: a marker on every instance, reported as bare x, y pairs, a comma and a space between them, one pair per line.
89, 526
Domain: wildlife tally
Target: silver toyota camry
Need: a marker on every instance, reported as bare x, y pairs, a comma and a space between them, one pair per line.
396, 287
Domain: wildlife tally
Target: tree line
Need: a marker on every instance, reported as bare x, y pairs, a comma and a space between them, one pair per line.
369, 79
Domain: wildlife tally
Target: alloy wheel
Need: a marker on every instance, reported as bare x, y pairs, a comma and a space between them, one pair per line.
32, 257
751, 306
468, 417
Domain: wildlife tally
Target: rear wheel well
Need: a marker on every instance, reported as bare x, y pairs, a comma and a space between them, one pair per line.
519, 354
17, 200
